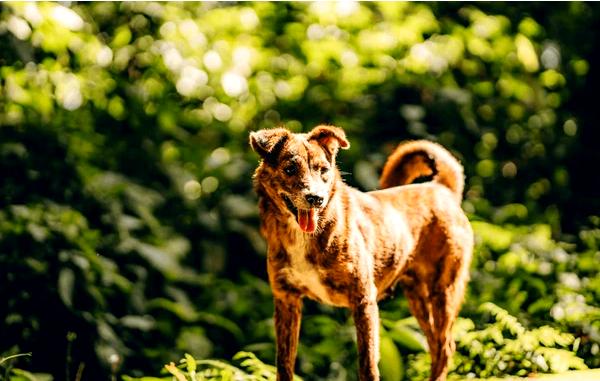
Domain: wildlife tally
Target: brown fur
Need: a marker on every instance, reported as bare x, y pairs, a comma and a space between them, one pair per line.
362, 243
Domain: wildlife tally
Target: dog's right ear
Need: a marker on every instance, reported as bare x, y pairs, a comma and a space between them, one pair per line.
330, 137
269, 142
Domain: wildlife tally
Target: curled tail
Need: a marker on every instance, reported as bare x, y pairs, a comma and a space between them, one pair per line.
420, 158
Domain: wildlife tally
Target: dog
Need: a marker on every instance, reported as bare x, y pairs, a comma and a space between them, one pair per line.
337, 245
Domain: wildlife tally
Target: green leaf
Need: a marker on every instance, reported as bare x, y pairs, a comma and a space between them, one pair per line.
23, 375
497, 238
391, 365
190, 363
143, 323
66, 280
129, 378
407, 337
4, 359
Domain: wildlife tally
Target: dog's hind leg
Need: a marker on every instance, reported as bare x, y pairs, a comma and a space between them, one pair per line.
443, 344
447, 296
434, 300
434, 313
418, 296
288, 312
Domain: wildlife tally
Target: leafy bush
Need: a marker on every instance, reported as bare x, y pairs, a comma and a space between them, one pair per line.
540, 280
251, 369
503, 346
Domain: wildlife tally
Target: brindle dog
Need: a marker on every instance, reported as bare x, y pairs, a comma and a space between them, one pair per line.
340, 246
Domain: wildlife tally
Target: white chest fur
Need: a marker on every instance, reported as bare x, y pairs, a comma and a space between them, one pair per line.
301, 273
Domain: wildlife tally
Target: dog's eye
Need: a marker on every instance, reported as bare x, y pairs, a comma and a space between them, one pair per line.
291, 169
324, 170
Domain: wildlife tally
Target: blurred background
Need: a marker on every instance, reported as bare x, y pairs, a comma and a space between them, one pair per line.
128, 224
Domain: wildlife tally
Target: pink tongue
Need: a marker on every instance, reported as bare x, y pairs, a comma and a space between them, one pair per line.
306, 220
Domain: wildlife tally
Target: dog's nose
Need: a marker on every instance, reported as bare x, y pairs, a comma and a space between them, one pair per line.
314, 200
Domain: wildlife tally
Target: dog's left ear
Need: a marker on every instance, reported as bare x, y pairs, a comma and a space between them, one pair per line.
330, 137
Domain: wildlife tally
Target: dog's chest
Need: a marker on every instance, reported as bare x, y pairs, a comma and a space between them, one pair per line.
303, 274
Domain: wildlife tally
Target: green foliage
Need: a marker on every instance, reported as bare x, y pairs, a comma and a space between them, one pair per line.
391, 365
541, 280
126, 209
406, 333
190, 369
503, 346
16, 374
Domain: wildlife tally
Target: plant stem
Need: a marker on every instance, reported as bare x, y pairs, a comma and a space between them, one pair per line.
3, 359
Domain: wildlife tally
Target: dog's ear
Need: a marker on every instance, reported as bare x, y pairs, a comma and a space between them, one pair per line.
330, 137
269, 142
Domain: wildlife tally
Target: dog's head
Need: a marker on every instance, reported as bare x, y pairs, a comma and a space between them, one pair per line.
298, 170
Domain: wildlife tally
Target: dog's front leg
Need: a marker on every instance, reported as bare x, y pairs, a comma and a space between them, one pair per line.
288, 312
366, 319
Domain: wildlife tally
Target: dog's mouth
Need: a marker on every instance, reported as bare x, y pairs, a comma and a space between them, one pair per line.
307, 218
